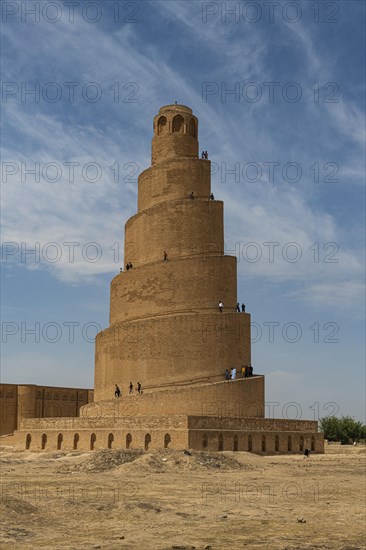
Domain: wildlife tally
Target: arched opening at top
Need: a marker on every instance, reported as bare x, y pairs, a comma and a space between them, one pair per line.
221, 443
76, 441
44, 441
147, 441
178, 124
167, 440
162, 125
313, 443
289, 443
250, 443
235, 443
110, 440
93, 439
128, 440
28, 441
192, 128
60, 439
263, 443
277, 443
301, 442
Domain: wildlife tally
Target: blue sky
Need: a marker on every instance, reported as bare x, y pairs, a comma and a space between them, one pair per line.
297, 114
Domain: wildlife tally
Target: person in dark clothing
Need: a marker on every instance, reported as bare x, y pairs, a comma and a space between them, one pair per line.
191, 196
202, 155
117, 391
243, 308
127, 267
238, 307
165, 256
212, 197
227, 375
250, 368
131, 387
307, 453
138, 387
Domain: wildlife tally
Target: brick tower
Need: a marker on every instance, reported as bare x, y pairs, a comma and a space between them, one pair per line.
166, 328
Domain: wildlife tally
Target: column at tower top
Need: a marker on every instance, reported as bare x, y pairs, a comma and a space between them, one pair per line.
175, 134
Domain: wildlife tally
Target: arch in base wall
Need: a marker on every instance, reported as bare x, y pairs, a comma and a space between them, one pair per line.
76, 441
250, 443
28, 441
128, 440
147, 441
93, 439
167, 440
277, 443
110, 440
60, 439
44, 441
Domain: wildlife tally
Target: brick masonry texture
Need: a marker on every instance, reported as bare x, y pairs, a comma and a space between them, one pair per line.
30, 401
166, 330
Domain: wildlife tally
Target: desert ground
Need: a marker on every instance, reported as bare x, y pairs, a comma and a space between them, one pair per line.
162, 500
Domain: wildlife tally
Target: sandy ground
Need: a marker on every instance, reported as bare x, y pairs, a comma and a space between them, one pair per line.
171, 500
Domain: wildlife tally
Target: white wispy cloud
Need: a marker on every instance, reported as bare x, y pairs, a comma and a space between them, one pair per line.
94, 212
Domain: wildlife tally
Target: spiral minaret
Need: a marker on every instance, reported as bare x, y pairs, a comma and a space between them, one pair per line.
166, 329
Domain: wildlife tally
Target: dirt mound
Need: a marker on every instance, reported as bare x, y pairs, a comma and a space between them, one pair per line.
100, 461
166, 460
153, 461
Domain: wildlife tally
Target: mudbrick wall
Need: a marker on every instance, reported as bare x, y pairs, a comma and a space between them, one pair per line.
31, 401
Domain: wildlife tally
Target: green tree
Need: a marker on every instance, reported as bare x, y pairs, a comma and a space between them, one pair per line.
345, 429
330, 425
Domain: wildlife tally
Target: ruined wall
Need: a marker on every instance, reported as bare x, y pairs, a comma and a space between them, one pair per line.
214, 422
263, 436
144, 432
30, 401
96, 439
8, 408
263, 442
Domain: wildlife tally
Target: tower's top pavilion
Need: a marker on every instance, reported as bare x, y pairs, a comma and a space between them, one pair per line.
175, 133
